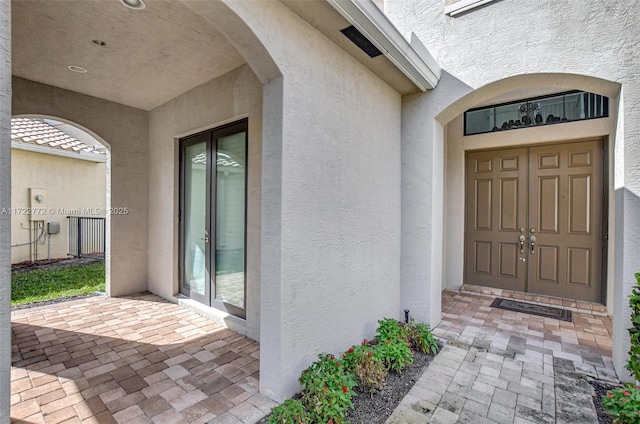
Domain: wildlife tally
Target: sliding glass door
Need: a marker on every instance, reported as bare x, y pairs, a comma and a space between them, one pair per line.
213, 217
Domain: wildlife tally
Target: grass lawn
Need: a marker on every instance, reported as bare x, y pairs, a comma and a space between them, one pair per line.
52, 283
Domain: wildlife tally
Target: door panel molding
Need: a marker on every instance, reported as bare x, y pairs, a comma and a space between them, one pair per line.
550, 194
579, 222
496, 188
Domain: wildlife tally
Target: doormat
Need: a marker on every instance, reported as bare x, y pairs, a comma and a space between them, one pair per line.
531, 309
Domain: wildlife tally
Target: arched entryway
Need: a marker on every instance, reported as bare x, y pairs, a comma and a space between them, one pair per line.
511, 90
60, 194
197, 67
464, 153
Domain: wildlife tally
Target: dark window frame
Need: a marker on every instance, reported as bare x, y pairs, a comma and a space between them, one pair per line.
597, 97
214, 134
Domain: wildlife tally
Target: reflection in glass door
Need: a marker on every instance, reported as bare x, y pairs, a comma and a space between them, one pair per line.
213, 217
230, 219
194, 224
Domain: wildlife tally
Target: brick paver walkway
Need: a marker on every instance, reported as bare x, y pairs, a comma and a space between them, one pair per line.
138, 359
506, 367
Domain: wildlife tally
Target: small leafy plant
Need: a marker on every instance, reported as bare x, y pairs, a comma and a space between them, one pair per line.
395, 355
328, 383
368, 369
390, 330
624, 404
633, 365
327, 390
420, 336
290, 412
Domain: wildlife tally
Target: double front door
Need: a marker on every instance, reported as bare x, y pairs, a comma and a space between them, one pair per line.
534, 219
213, 217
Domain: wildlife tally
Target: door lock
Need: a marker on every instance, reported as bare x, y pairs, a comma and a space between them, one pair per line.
206, 236
522, 238
532, 239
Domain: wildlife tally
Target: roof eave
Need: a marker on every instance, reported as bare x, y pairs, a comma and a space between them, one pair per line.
411, 58
89, 156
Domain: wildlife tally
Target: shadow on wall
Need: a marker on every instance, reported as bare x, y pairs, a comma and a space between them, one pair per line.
132, 350
627, 204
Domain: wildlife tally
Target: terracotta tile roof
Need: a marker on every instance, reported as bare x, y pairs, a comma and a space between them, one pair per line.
34, 131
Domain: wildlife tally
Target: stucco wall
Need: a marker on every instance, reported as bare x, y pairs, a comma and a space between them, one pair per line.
69, 183
5, 202
593, 38
124, 130
233, 96
331, 196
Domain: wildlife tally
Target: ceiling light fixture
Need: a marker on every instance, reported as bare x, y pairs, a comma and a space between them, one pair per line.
78, 69
134, 4
99, 43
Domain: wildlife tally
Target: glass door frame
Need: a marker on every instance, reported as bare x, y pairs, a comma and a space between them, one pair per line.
211, 139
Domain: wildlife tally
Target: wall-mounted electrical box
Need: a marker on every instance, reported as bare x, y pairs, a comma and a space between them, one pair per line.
53, 227
37, 204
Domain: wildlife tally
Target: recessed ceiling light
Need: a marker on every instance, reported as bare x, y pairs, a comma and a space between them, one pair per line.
99, 43
78, 69
134, 4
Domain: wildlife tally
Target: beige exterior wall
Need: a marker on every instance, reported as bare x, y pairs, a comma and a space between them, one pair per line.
68, 184
125, 131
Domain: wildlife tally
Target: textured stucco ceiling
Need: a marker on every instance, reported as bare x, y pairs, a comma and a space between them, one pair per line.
151, 55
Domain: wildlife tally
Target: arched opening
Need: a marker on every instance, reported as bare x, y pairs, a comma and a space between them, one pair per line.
462, 250
60, 202
153, 77
611, 131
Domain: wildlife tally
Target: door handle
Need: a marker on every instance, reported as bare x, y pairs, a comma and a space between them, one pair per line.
522, 238
206, 236
532, 239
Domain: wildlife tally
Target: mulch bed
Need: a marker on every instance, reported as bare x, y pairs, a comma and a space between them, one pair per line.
35, 264
51, 263
599, 390
376, 409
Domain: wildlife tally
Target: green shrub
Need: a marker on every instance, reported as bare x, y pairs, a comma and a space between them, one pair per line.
394, 354
420, 337
390, 329
327, 389
633, 365
290, 412
328, 383
624, 404
368, 369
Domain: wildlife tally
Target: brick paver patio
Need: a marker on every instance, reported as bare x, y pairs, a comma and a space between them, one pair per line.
507, 367
138, 359
141, 359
